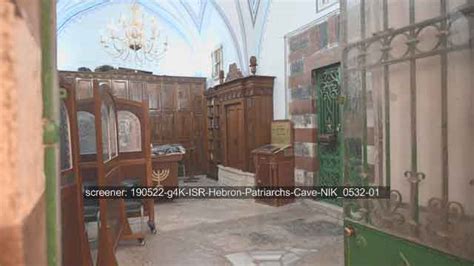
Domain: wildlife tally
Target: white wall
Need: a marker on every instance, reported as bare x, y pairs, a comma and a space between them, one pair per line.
217, 31
284, 17
460, 110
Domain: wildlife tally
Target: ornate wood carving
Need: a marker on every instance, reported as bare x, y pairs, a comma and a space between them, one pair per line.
239, 115
234, 73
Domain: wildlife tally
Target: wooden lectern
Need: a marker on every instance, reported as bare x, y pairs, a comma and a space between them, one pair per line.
274, 163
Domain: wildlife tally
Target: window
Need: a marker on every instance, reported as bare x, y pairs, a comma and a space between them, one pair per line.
65, 138
113, 132
217, 62
130, 138
106, 138
86, 124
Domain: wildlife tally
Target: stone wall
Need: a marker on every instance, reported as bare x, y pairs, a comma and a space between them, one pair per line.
229, 176
22, 204
310, 47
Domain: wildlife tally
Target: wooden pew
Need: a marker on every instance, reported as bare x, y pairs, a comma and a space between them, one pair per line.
135, 149
74, 244
100, 165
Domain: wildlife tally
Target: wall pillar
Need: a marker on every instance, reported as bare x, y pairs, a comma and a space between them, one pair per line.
22, 189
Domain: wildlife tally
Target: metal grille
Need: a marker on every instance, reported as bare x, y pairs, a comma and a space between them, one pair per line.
328, 89
433, 220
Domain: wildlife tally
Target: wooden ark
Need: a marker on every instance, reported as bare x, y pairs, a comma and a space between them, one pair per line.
176, 104
239, 115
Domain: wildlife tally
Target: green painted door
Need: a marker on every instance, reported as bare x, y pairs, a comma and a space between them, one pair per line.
405, 123
328, 91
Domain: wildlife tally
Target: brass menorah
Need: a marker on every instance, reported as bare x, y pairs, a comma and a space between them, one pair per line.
160, 175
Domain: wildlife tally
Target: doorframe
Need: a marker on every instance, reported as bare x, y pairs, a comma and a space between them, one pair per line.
340, 136
223, 127
50, 95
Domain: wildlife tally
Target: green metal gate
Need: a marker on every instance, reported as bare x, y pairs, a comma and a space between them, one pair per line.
407, 122
328, 92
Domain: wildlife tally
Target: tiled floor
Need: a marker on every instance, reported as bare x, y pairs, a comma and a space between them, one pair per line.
237, 232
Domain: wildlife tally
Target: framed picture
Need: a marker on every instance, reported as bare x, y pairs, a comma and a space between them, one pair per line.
323, 4
217, 62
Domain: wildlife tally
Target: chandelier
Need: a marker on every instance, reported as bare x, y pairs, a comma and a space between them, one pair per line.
129, 39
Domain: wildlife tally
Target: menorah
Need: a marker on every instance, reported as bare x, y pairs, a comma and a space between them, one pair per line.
160, 175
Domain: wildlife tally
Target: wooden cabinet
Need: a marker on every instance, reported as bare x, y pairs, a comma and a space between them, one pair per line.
239, 115
213, 135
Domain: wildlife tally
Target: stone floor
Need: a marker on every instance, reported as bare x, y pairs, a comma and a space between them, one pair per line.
237, 232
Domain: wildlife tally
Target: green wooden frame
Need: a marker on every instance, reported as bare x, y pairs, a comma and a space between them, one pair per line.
50, 129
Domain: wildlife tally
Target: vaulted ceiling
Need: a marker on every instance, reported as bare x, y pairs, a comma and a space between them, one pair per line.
242, 21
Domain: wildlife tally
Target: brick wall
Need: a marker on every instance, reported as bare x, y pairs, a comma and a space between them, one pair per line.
310, 48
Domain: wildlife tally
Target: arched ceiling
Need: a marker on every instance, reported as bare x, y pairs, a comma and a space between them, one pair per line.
243, 19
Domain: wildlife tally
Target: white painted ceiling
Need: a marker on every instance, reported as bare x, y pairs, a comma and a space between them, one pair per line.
199, 24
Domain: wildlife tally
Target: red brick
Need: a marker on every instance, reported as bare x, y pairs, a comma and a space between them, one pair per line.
298, 107
315, 38
299, 80
322, 59
370, 136
305, 135
332, 21
305, 163
295, 56
313, 34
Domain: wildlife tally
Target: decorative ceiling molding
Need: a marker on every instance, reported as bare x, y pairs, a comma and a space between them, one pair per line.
244, 35
230, 29
197, 15
71, 11
264, 23
187, 18
170, 17
253, 9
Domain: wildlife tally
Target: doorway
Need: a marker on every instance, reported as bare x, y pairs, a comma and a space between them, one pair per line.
329, 144
235, 133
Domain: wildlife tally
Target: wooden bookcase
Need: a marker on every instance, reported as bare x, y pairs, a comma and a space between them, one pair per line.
213, 134
239, 114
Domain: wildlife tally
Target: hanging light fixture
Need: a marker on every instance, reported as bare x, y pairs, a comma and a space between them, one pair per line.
131, 39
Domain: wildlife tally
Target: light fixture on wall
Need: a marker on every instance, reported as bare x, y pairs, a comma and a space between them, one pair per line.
131, 39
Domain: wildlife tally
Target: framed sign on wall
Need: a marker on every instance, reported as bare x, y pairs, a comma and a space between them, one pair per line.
323, 4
